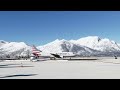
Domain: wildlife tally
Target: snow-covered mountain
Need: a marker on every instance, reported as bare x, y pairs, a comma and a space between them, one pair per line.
91, 45
14, 48
66, 46
118, 44
87, 46
96, 43
2, 42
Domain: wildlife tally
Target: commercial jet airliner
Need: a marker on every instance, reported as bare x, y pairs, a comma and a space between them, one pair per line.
37, 54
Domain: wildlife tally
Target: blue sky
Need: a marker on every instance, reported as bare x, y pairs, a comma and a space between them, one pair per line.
41, 27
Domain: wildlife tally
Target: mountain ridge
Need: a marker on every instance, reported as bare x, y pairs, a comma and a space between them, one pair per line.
86, 46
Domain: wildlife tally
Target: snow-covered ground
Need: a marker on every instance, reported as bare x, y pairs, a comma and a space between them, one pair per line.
107, 68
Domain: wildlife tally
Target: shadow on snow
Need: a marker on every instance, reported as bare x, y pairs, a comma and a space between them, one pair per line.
19, 75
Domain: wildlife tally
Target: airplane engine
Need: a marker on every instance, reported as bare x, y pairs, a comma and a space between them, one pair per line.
32, 58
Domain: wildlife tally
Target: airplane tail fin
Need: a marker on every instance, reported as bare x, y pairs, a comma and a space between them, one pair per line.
35, 51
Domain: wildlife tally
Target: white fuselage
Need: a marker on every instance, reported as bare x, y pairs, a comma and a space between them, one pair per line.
61, 54
66, 54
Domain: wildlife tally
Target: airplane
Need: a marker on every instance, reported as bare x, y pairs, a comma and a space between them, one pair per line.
37, 54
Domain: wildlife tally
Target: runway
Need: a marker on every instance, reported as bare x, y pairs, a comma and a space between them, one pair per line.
105, 68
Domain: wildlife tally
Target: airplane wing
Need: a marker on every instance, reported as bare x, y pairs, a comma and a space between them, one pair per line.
55, 55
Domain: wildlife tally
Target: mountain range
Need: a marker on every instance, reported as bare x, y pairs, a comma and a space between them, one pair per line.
86, 46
